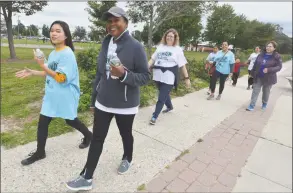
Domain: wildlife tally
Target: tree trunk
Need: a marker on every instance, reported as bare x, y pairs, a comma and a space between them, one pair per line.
150, 36
8, 21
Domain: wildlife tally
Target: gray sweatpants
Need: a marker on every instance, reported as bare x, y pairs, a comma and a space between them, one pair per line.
256, 90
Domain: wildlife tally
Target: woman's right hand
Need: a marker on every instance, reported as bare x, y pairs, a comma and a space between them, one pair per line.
24, 73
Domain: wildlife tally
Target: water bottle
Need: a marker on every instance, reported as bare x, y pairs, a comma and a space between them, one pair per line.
115, 61
40, 55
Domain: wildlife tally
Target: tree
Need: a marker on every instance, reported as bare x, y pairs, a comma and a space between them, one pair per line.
3, 28
79, 32
96, 10
155, 13
93, 34
32, 30
137, 35
46, 31
19, 29
221, 25
9, 7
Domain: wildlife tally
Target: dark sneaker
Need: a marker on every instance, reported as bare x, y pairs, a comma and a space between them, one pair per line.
211, 97
264, 106
85, 142
153, 121
124, 167
80, 183
32, 157
218, 97
167, 110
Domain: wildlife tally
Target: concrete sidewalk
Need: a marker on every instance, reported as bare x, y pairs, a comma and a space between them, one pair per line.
155, 146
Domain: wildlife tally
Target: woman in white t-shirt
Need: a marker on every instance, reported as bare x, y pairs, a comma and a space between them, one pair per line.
165, 63
250, 64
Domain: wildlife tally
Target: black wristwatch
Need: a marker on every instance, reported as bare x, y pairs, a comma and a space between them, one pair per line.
185, 78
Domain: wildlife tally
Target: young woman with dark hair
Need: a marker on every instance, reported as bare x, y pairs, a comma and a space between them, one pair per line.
62, 89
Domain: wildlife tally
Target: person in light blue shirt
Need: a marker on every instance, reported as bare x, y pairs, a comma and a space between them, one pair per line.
224, 62
209, 65
62, 89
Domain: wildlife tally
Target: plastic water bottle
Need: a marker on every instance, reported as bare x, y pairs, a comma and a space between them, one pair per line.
40, 55
115, 61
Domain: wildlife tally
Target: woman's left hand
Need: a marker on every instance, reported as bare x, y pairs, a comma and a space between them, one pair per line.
187, 83
117, 70
265, 70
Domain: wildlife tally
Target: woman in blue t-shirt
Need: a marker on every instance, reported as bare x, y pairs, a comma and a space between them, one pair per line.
62, 89
224, 61
264, 73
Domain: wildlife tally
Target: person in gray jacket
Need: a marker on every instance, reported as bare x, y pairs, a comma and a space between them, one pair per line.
115, 93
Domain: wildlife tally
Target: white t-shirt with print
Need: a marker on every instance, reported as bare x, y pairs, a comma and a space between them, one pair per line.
123, 111
167, 56
252, 59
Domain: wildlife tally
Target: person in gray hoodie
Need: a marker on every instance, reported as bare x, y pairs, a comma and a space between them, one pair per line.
115, 93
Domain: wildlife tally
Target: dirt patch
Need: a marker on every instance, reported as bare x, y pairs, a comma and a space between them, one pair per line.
12, 124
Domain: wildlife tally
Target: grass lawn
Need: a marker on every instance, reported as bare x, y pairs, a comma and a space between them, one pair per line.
40, 42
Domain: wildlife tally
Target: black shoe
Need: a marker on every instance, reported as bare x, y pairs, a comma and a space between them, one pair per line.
167, 110
85, 142
33, 156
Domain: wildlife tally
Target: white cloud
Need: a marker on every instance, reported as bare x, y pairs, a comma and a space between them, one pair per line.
75, 15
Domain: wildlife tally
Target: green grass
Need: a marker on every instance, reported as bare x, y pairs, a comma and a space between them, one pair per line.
141, 187
40, 42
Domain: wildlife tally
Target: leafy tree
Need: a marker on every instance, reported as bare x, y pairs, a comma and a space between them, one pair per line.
46, 31
32, 30
10, 7
137, 35
79, 32
96, 10
155, 13
221, 25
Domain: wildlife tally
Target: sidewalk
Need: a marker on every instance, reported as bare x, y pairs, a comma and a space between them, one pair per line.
156, 147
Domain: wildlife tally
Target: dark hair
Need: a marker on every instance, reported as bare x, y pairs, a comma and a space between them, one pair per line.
65, 27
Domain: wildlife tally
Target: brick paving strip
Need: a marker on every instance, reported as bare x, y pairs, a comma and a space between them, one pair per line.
214, 164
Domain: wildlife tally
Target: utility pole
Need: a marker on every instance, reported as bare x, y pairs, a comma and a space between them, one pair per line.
18, 25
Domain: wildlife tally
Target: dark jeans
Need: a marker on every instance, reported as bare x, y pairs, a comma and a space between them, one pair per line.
215, 77
43, 126
102, 122
235, 77
250, 79
210, 83
163, 99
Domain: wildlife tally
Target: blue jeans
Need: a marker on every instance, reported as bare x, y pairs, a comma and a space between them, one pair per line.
163, 99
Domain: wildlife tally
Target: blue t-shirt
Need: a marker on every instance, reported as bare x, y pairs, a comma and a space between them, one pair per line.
224, 64
61, 99
263, 65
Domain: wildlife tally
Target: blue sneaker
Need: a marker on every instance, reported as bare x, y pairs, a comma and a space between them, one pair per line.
250, 108
153, 121
264, 106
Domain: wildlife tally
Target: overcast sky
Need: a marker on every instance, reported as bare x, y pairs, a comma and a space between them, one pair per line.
75, 15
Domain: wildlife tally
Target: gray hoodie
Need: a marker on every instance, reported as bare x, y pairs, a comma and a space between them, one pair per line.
112, 92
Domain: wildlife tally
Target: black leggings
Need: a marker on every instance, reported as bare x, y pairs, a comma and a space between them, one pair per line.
215, 77
43, 126
250, 79
102, 122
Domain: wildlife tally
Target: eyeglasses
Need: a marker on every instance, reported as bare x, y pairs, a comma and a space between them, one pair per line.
170, 36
